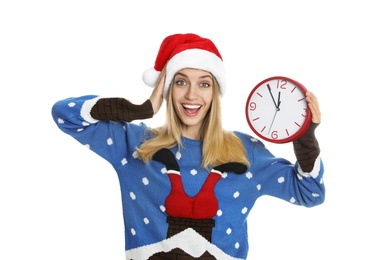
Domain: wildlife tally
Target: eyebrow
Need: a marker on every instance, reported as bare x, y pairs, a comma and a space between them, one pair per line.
185, 75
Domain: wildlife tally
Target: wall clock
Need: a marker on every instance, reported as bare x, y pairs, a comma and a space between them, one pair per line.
276, 110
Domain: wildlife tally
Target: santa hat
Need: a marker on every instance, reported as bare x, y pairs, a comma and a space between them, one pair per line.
181, 51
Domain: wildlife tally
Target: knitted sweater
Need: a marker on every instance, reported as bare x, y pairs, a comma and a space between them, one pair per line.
145, 187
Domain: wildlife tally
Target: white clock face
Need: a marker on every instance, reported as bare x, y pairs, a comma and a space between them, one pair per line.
277, 110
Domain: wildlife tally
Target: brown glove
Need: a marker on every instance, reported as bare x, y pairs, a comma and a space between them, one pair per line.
307, 149
120, 109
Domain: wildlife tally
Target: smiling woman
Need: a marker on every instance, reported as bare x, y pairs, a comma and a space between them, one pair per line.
200, 181
192, 94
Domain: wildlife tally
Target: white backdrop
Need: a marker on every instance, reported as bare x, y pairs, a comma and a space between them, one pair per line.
59, 201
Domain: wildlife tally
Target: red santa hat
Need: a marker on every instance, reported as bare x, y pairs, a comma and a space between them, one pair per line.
181, 51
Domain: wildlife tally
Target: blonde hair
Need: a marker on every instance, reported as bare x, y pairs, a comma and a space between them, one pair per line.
218, 145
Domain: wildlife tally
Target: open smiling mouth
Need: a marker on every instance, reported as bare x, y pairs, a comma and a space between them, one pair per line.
191, 109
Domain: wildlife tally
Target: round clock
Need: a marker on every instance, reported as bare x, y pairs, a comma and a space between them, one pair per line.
276, 110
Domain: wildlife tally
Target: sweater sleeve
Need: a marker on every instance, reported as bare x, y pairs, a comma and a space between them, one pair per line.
120, 109
114, 141
307, 149
278, 177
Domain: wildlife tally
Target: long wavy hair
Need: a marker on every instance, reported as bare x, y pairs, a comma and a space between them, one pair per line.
218, 145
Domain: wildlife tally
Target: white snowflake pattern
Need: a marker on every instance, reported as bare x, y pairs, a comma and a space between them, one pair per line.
109, 141
124, 161
254, 140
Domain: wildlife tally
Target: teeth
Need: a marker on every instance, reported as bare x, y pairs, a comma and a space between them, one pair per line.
192, 106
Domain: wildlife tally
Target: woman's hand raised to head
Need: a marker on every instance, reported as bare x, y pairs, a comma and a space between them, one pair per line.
156, 97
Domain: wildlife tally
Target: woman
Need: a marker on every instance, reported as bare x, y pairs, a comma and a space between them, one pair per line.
187, 187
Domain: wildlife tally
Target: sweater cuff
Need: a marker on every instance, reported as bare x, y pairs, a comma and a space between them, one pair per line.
85, 111
307, 149
120, 109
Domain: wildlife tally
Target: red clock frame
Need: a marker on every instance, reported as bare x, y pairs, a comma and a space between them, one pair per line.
302, 130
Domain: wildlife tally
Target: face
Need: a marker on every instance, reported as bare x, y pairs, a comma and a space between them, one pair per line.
192, 92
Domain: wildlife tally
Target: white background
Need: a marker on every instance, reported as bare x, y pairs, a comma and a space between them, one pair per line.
59, 201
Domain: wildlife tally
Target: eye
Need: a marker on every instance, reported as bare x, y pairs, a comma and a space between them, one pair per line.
180, 82
205, 85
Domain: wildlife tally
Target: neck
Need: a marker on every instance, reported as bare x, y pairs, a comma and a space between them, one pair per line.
191, 132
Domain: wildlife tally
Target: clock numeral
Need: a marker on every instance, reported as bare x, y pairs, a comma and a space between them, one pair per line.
274, 135
281, 84
252, 106
305, 113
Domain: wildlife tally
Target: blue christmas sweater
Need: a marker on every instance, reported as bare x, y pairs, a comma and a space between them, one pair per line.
153, 226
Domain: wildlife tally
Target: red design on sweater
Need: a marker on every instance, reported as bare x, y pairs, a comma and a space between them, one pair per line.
202, 206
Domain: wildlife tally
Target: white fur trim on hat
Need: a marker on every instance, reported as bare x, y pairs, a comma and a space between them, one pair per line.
191, 58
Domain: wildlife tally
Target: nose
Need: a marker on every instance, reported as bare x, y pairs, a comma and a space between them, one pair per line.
191, 93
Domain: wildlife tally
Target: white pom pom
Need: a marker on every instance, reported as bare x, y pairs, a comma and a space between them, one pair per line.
150, 77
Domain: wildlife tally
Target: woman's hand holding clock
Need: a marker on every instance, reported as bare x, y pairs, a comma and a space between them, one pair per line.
314, 107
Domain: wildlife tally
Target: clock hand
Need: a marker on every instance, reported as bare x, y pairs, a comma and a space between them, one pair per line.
272, 122
269, 89
278, 101
277, 109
